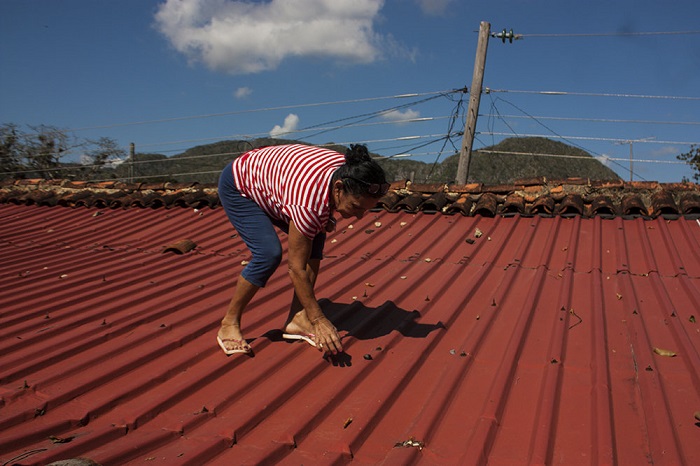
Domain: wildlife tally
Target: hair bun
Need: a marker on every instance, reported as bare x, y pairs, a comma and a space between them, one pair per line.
356, 154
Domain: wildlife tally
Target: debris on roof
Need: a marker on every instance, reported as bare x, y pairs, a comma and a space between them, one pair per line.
181, 246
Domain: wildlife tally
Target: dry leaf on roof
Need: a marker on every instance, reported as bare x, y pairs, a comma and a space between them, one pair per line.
665, 352
411, 442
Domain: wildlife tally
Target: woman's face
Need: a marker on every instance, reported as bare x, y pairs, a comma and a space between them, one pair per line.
349, 205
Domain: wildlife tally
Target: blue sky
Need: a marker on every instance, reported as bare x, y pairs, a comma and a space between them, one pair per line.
168, 75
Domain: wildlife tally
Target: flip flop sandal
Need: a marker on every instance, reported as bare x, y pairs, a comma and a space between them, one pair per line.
239, 342
307, 338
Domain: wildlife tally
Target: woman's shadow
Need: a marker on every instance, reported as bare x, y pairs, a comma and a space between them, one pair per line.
368, 323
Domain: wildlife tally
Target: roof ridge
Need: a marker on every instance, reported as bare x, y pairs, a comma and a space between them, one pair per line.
533, 196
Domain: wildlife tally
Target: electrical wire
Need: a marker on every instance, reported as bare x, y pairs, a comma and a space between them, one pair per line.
257, 110
266, 134
568, 140
363, 120
584, 157
592, 94
370, 115
594, 120
456, 112
592, 138
611, 34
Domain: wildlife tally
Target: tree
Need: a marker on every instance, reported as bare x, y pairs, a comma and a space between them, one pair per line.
99, 155
34, 153
10, 151
44, 150
692, 158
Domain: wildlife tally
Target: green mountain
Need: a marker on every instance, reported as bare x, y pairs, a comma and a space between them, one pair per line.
509, 160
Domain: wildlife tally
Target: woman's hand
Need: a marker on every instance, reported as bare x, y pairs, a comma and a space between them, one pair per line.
326, 336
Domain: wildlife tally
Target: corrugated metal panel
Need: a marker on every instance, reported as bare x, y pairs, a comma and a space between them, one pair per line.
530, 344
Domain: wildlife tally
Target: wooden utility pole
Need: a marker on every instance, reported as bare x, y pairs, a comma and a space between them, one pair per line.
132, 156
474, 100
631, 142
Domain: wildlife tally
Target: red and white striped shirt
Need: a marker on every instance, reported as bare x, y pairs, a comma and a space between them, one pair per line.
290, 183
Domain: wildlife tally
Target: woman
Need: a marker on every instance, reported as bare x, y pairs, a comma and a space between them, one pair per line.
297, 188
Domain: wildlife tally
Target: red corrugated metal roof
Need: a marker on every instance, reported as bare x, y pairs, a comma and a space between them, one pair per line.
531, 344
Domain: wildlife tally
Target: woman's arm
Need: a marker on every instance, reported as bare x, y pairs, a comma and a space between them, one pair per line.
298, 256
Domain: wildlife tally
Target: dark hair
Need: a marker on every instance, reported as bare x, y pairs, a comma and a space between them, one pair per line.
361, 175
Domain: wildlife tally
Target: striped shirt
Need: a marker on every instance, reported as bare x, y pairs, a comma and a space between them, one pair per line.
290, 183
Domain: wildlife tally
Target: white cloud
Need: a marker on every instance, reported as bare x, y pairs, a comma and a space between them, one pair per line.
242, 92
434, 7
241, 37
604, 159
399, 116
291, 122
664, 151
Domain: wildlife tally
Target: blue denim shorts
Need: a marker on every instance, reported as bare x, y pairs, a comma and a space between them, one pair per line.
257, 230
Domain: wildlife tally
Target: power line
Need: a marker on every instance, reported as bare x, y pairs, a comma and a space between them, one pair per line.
567, 139
589, 138
266, 134
322, 129
586, 157
218, 154
256, 110
592, 94
611, 34
593, 120
370, 115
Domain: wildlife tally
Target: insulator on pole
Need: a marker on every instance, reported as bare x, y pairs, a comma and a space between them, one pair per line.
504, 34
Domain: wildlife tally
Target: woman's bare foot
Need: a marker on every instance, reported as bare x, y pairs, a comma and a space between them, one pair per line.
299, 325
231, 339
